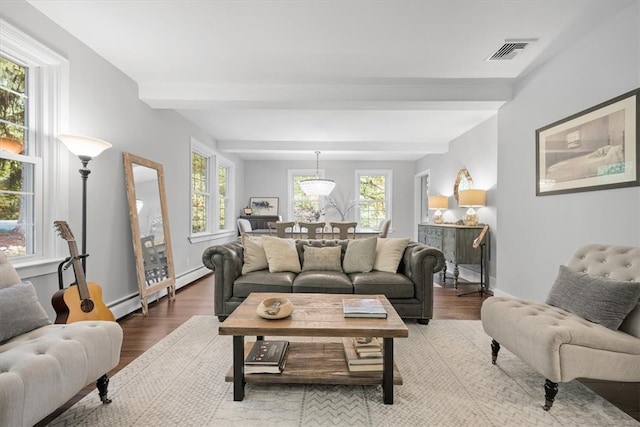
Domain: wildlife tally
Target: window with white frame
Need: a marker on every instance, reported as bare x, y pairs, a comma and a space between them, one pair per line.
303, 207
374, 201
211, 189
33, 106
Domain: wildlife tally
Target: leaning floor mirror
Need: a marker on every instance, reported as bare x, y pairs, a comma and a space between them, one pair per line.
149, 227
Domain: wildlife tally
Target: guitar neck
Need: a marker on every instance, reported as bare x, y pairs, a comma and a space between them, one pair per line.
81, 280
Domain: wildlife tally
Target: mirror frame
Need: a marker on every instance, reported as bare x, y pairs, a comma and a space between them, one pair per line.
170, 282
462, 173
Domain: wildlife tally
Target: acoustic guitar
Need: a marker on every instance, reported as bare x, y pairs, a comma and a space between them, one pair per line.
81, 300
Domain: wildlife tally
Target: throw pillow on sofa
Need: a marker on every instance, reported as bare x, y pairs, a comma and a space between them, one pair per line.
389, 252
360, 255
599, 300
322, 259
255, 258
20, 311
281, 254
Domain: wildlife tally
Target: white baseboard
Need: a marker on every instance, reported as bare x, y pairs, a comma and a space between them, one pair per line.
499, 293
131, 303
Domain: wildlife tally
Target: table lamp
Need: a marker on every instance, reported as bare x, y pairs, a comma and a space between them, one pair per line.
471, 198
437, 203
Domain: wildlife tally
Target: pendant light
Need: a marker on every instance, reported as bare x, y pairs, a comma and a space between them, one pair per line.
317, 186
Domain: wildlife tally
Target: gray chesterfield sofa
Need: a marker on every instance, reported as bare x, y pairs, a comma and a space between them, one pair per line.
588, 328
410, 289
42, 365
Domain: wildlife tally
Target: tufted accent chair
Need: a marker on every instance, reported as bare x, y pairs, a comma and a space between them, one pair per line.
561, 345
43, 368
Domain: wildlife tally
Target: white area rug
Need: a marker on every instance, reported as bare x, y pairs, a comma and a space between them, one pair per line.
448, 381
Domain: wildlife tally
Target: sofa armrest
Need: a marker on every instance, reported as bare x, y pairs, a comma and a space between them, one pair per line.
419, 263
226, 262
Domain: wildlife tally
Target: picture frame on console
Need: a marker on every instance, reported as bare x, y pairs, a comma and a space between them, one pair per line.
595, 149
264, 205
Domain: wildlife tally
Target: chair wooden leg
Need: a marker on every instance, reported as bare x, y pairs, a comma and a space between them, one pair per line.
495, 348
550, 391
103, 385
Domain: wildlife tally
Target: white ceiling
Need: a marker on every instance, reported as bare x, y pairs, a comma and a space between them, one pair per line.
355, 79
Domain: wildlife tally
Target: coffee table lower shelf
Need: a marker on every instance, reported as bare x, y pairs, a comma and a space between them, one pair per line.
316, 363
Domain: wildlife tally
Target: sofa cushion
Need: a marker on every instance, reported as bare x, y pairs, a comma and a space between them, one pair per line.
328, 282
389, 252
360, 255
20, 311
255, 258
392, 285
281, 254
322, 259
596, 299
263, 281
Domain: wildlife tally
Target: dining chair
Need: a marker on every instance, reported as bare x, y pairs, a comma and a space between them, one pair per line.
345, 229
312, 229
284, 228
243, 225
384, 227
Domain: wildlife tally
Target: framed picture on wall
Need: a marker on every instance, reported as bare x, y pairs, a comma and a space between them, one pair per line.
264, 205
595, 149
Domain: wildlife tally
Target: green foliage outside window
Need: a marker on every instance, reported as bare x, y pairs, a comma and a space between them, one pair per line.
373, 203
200, 196
15, 197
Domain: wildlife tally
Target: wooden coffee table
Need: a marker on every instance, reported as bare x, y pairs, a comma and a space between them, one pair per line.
314, 315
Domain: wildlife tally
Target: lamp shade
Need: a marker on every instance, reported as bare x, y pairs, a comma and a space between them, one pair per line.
317, 186
471, 198
83, 146
438, 202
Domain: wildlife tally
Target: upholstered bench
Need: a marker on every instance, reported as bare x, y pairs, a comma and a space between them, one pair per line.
563, 345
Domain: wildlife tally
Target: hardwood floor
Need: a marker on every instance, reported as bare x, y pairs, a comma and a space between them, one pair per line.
142, 332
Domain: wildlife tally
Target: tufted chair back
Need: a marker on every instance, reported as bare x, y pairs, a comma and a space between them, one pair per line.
8, 274
616, 263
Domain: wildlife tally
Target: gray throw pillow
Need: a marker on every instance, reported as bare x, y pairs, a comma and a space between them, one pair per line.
596, 299
20, 311
322, 259
360, 255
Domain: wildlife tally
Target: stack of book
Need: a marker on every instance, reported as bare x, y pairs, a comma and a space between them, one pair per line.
363, 307
266, 357
363, 354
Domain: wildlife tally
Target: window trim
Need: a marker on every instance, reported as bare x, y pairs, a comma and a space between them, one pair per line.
50, 74
388, 191
212, 224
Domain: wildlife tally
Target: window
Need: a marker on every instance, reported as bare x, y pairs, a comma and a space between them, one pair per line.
374, 203
200, 192
223, 196
33, 104
302, 207
211, 190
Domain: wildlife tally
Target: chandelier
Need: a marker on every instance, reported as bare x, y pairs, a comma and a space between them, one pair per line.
317, 186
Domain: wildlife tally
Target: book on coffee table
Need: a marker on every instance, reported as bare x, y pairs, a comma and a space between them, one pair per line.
363, 307
367, 346
356, 363
267, 357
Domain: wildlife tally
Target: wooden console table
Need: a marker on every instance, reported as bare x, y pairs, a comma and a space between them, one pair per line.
456, 243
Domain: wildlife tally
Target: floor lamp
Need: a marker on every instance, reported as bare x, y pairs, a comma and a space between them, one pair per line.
86, 148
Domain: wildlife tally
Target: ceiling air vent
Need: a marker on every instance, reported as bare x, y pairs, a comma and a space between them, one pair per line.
510, 49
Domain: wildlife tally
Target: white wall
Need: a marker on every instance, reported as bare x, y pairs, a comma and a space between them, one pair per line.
475, 150
104, 104
537, 234
269, 179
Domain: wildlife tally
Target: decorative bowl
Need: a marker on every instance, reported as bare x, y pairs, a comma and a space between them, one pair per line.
275, 308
